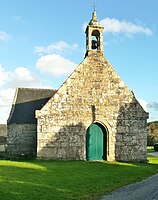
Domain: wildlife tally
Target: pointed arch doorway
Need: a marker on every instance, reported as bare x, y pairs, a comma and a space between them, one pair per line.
96, 142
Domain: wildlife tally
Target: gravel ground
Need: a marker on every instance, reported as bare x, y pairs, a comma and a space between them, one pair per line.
153, 154
144, 190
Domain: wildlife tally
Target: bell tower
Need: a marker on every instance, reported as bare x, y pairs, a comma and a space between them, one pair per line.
94, 36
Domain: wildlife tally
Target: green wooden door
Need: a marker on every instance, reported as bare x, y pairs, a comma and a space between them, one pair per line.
94, 143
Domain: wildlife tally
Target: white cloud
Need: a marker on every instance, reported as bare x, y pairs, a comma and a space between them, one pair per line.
143, 103
9, 80
6, 96
153, 105
4, 36
1, 75
20, 77
6, 99
55, 65
153, 110
58, 47
116, 26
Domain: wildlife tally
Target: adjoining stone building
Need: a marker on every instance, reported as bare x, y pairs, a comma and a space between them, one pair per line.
92, 116
22, 124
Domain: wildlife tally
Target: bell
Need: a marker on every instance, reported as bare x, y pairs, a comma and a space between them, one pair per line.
94, 44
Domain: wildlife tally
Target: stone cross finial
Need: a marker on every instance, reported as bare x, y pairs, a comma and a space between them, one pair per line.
94, 7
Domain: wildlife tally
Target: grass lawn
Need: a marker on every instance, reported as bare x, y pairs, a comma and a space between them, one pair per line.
150, 149
47, 180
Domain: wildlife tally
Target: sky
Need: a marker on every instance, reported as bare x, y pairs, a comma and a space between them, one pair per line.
42, 41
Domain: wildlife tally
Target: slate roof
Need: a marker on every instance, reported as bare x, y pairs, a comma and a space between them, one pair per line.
26, 102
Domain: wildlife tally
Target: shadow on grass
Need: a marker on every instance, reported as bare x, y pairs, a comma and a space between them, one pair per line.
68, 179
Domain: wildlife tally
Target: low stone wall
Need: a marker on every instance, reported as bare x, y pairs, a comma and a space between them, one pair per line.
3, 139
22, 140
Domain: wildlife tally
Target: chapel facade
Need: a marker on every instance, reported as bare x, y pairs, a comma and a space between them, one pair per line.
92, 116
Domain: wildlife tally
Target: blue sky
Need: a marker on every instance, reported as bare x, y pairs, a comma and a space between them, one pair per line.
42, 41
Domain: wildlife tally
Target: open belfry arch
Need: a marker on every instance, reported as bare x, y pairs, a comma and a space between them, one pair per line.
94, 35
92, 116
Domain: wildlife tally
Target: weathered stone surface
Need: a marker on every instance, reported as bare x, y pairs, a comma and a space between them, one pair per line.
3, 130
22, 140
90, 95
3, 139
2, 148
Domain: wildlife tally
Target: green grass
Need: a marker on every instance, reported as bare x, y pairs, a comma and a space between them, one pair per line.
150, 149
47, 180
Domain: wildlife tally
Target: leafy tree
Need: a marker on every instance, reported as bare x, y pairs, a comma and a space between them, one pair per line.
152, 133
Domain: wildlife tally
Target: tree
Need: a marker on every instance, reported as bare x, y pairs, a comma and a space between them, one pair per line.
152, 133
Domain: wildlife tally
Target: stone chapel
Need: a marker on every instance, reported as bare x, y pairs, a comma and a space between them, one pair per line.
92, 116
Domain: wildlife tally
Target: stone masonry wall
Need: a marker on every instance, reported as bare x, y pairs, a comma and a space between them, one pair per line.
131, 138
66, 143
3, 139
22, 140
93, 93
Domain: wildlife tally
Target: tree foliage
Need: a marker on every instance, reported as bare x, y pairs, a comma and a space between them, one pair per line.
152, 133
